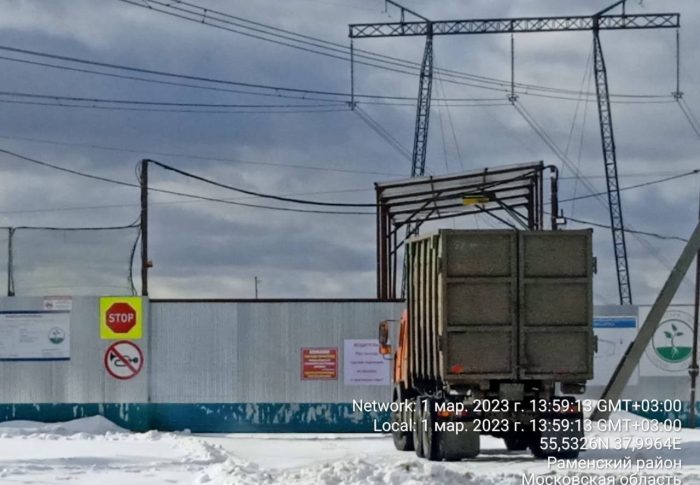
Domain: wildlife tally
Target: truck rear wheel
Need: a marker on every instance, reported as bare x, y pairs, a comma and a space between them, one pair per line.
403, 440
455, 446
516, 442
430, 436
418, 427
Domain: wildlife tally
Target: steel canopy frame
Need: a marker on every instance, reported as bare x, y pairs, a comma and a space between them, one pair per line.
412, 202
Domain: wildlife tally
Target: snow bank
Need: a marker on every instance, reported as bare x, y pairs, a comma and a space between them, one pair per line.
398, 473
350, 472
94, 425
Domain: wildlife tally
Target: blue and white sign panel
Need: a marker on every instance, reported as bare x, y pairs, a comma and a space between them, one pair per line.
614, 322
35, 335
614, 334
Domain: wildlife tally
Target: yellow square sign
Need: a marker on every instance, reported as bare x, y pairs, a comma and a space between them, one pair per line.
121, 317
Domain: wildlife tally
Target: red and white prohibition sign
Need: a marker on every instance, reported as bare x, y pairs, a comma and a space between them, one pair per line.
123, 360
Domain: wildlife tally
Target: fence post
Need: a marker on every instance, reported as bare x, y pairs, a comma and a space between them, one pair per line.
10, 269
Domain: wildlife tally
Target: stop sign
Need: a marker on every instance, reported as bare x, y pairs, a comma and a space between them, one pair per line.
120, 317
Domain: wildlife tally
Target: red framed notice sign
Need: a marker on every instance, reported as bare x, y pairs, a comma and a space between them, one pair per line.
319, 363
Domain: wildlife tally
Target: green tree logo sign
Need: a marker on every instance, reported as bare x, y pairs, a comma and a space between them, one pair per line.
56, 335
673, 351
672, 343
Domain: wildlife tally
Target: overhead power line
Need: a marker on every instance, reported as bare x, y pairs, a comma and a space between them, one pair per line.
172, 192
255, 193
188, 77
252, 89
167, 74
63, 101
631, 231
68, 170
134, 224
287, 38
383, 133
163, 203
261, 89
278, 110
273, 93
258, 206
142, 102
688, 114
142, 152
636, 186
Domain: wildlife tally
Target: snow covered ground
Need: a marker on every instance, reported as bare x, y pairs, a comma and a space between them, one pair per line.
93, 451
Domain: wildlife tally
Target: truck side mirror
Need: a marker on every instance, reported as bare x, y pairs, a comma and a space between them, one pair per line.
384, 347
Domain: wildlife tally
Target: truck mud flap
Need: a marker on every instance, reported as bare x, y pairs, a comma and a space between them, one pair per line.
454, 446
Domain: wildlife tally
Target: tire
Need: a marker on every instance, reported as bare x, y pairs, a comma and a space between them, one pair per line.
454, 446
536, 450
403, 440
430, 436
516, 442
418, 427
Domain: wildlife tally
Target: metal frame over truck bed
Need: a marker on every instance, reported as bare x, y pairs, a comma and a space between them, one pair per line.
495, 319
512, 194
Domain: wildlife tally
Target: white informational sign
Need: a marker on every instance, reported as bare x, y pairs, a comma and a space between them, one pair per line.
670, 350
614, 333
35, 335
363, 365
58, 303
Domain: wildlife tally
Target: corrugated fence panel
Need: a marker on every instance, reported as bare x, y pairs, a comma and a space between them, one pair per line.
264, 342
218, 367
229, 366
194, 349
251, 352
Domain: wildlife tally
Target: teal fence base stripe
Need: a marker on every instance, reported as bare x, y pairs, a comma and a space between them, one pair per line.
133, 416
265, 418
209, 417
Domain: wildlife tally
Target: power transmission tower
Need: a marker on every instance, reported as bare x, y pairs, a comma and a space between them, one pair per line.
595, 23
610, 161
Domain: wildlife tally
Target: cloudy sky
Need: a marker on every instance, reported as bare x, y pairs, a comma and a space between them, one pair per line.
313, 146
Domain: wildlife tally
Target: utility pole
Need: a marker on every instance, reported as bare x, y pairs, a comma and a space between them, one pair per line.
145, 263
693, 369
602, 20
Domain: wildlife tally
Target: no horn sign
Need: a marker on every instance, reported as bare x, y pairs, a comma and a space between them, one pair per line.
121, 317
123, 360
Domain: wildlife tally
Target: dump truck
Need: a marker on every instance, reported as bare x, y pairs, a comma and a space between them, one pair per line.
496, 337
